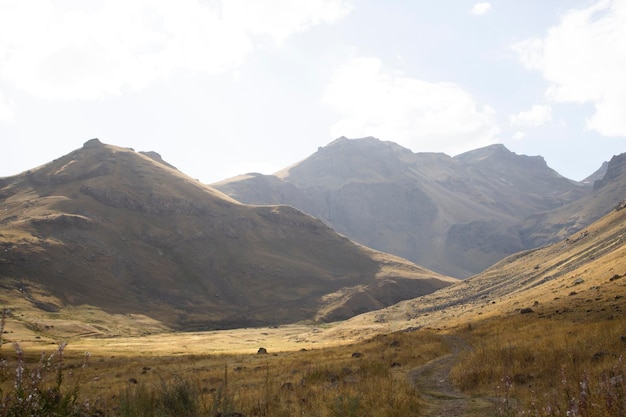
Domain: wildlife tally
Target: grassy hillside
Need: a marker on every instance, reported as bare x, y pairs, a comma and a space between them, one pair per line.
126, 234
541, 334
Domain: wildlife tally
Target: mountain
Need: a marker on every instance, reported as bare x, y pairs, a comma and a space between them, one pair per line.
581, 275
455, 215
128, 234
609, 190
598, 175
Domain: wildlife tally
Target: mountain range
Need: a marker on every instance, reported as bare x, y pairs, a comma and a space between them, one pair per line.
126, 233
454, 215
107, 229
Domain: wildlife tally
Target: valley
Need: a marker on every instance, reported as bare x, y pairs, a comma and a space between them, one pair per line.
170, 298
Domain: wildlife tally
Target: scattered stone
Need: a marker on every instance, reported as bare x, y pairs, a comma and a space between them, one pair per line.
396, 365
287, 386
578, 281
262, 351
357, 355
522, 379
598, 356
526, 310
132, 381
395, 343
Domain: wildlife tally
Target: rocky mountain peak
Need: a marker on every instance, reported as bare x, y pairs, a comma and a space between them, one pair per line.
91, 143
597, 175
499, 153
455, 215
125, 233
615, 169
155, 156
346, 160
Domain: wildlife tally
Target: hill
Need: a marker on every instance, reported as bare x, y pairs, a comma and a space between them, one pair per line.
455, 215
609, 189
129, 236
580, 276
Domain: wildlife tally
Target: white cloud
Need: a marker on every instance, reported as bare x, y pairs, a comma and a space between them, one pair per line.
420, 115
538, 115
7, 114
480, 8
106, 47
519, 135
584, 60
281, 18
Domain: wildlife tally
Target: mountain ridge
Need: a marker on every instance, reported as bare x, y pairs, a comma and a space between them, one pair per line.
425, 207
122, 231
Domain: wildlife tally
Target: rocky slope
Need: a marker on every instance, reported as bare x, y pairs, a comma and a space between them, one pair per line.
581, 275
609, 190
453, 215
129, 234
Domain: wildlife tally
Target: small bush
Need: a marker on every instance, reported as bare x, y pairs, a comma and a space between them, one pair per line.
39, 390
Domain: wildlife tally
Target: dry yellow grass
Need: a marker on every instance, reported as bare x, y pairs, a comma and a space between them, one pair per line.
365, 378
547, 367
563, 355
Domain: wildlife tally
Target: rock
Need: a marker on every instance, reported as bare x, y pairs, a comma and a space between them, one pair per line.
526, 310
357, 355
522, 379
262, 351
598, 356
92, 143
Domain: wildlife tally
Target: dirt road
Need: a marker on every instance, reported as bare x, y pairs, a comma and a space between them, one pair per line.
444, 399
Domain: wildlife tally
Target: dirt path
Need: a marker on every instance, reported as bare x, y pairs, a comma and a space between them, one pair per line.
444, 399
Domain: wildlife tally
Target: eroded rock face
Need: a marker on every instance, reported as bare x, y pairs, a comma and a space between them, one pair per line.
454, 215
92, 143
615, 169
150, 204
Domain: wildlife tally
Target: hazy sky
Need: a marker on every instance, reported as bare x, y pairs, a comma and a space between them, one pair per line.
225, 87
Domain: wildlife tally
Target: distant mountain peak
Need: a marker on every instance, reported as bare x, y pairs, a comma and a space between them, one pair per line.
457, 215
500, 155
614, 169
125, 233
344, 141
155, 156
597, 175
92, 143
497, 149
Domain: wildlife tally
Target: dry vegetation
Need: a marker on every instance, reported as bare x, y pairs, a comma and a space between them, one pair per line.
547, 367
367, 378
535, 364
543, 333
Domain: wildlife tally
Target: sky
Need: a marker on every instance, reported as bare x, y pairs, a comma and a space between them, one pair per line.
224, 87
